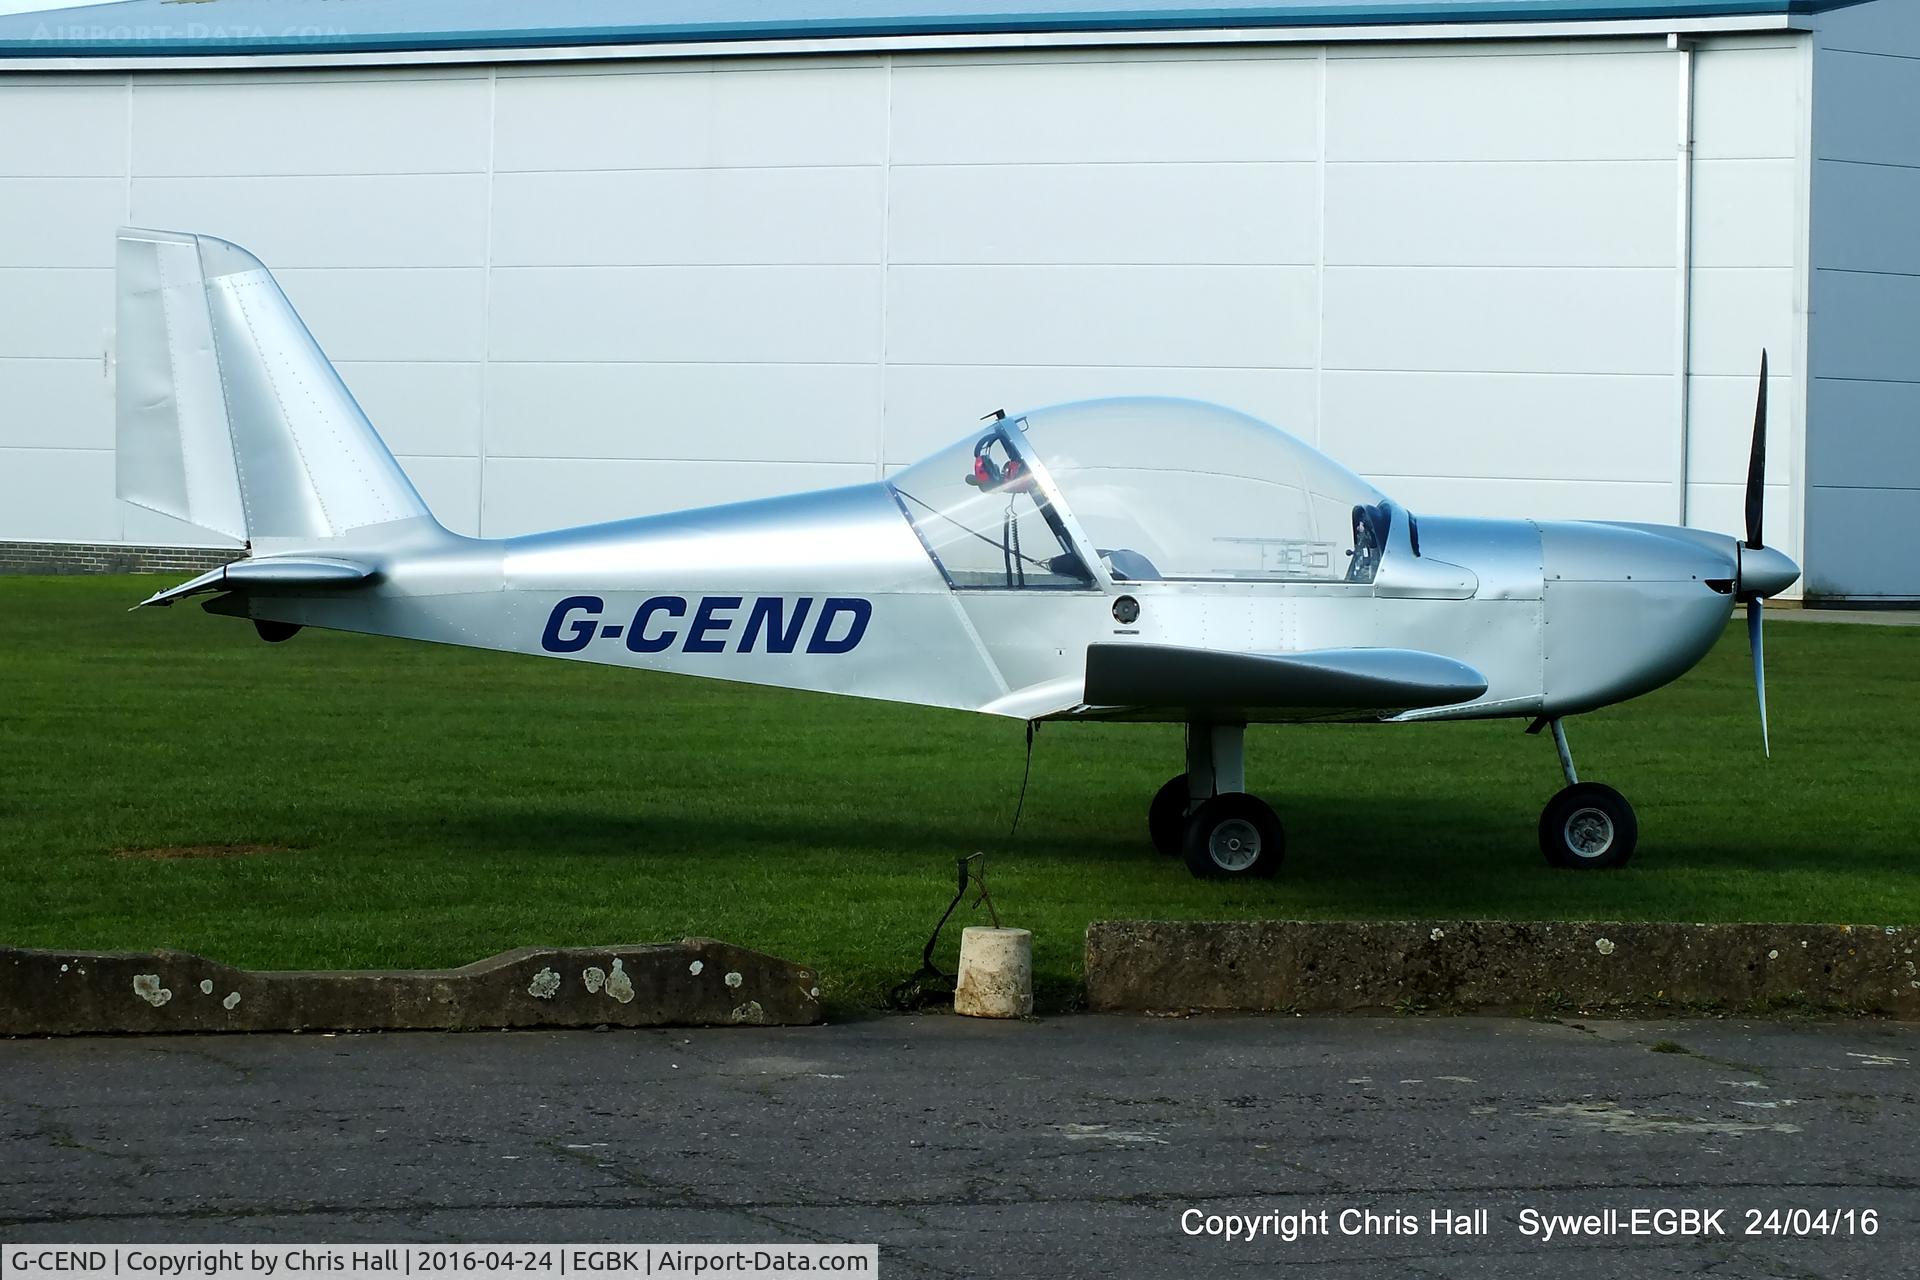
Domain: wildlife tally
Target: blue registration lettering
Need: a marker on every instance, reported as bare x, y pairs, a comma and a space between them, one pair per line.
579, 631
858, 612
773, 624
769, 612
705, 622
637, 638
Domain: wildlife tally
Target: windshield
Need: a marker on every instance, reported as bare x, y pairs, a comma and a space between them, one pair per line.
986, 521
1184, 489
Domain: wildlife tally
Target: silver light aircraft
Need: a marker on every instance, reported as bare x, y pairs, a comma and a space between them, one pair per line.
1130, 559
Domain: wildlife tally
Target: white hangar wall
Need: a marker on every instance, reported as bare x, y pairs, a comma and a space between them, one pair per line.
572, 292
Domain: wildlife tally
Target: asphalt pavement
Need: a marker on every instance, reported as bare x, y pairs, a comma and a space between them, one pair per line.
1075, 1146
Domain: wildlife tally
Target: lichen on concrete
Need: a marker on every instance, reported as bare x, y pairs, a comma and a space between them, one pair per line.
619, 985
68, 993
147, 987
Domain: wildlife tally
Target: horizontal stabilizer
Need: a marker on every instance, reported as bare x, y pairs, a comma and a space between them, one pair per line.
1210, 680
277, 573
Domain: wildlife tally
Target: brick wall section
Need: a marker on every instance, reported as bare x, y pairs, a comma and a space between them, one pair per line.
110, 557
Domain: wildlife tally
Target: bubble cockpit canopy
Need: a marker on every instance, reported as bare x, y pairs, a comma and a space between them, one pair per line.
1157, 488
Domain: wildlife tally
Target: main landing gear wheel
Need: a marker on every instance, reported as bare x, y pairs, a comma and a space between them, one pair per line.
1234, 836
1167, 816
1588, 827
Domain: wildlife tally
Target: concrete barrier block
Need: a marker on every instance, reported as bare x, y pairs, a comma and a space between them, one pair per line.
696, 982
1502, 967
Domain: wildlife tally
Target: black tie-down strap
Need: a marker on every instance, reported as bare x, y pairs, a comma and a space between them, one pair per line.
929, 985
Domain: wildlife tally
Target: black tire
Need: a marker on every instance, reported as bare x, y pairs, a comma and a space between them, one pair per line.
1588, 827
1234, 837
1167, 817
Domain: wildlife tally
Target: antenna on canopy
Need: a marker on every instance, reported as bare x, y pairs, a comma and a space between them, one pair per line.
996, 416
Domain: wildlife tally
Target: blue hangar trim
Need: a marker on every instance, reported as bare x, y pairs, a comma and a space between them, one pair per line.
663, 622
159, 27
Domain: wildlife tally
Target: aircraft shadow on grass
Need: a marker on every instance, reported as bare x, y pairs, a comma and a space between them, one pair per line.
1408, 838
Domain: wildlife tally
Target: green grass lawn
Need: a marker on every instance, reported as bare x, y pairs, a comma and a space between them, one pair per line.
429, 806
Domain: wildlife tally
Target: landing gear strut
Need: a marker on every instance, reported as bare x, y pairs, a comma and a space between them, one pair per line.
1205, 818
1588, 826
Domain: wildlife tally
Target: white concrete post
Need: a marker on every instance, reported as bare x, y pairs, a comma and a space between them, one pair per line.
996, 973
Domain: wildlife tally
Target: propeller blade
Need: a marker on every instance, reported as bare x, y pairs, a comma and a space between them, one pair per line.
1757, 464
1759, 652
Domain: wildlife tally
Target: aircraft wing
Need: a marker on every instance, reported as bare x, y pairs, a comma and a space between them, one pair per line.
1313, 685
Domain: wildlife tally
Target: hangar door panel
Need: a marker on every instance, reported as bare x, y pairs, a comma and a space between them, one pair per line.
1502, 278
1120, 222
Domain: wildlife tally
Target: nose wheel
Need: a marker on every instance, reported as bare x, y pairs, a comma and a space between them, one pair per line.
1588, 826
1204, 818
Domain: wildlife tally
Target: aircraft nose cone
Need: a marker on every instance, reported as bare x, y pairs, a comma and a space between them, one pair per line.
1765, 572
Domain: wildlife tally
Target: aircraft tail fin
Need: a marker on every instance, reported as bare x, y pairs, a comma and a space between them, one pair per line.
228, 414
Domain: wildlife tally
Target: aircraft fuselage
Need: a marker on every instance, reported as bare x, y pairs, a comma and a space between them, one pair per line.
833, 592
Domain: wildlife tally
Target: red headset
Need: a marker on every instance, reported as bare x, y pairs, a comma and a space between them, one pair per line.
988, 474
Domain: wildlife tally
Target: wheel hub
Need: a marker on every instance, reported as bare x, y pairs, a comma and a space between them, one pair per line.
1589, 832
1234, 845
